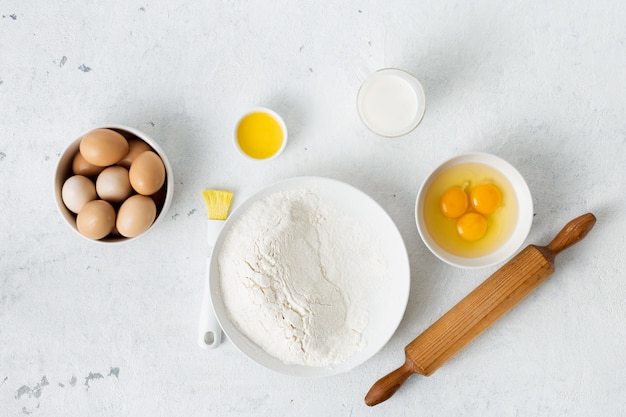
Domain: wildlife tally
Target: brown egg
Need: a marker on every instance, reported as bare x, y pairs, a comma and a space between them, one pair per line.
135, 215
147, 173
96, 219
135, 147
113, 184
103, 147
82, 167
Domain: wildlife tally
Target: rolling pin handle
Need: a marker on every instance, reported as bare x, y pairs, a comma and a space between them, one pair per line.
572, 233
385, 387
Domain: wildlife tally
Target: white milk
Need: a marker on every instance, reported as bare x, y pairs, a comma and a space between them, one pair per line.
391, 102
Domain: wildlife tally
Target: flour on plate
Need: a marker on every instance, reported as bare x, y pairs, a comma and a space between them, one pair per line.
294, 274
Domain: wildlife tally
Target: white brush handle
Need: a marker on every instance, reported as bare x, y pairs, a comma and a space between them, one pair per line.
209, 330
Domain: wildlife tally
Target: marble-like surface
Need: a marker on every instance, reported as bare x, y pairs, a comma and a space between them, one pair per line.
87, 329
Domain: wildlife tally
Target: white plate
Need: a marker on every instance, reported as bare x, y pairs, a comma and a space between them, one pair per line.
385, 309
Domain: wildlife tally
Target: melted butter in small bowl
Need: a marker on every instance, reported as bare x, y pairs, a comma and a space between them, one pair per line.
261, 134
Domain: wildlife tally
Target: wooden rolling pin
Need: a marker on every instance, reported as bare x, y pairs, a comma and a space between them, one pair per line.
480, 309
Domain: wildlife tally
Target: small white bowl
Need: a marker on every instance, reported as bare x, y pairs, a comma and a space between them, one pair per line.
273, 115
520, 230
64, 171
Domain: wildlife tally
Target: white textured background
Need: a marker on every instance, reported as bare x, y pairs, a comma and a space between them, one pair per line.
111, 331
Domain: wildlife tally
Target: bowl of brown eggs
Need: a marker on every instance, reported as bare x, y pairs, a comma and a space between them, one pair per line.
113, 184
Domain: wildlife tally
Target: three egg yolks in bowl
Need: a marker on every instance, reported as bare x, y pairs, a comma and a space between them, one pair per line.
470, 210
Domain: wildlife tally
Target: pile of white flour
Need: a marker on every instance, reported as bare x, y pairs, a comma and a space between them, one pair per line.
294, 274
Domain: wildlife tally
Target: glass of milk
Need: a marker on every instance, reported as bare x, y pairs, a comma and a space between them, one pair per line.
391, 102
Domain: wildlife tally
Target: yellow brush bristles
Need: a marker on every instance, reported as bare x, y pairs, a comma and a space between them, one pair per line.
217, 203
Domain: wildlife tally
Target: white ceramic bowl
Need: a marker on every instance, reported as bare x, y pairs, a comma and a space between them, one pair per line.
520, 229
277, 118
64, 171
385, 308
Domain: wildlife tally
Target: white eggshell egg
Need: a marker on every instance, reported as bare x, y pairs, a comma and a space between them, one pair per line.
135, 215
113, 184
77, 191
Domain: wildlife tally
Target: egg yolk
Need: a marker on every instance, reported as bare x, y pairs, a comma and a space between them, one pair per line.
471, 226
259, 135
453, 202
485, 198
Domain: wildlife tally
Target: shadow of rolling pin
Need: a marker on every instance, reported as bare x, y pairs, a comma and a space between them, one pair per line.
480, 309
